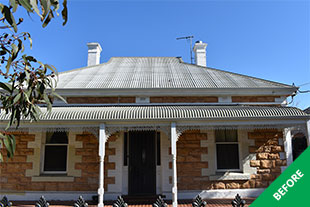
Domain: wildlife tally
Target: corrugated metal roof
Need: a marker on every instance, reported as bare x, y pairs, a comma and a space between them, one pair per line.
156, 72
110, 113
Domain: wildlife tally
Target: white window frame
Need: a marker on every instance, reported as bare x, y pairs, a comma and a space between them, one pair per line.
239, 156
43, 157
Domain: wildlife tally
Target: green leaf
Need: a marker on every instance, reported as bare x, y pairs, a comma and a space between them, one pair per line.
46, 7
8, 64
48, 103
8, 146
30, 40
13, 142
64, 12
15, 51
1, 157
6, 86
37, 111
26, 5
14, 5
16, 99
3, 52
9, 17
59, 97
31, 58
49, 17
52, 68
35, 7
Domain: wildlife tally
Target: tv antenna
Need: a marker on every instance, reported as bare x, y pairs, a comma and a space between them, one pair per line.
191, 45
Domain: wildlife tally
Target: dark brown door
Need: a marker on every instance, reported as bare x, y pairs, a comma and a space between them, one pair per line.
142, 166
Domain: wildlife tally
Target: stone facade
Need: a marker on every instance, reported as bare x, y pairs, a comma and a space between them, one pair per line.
268, 146
13, 172
193, 160
189, 163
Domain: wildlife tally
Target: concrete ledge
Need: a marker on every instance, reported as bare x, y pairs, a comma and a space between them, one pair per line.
47, 178
231, 193
218, 194
49, 195
231, 176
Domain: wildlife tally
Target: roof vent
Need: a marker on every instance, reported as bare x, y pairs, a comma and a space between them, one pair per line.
94, 50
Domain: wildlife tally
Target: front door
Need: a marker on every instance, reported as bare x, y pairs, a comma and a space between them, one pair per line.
142, 166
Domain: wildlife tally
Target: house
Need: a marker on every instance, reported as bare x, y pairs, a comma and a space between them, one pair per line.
155, 125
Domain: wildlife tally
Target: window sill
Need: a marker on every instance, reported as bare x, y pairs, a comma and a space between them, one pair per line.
231, 176
52, 178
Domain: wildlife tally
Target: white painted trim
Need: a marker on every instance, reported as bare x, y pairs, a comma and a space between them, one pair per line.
174, 139
102, 141
308, 132
288, 146
247, 123
174, 91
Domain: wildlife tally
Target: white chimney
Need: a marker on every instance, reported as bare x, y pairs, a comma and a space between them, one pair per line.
94, 50
200, 53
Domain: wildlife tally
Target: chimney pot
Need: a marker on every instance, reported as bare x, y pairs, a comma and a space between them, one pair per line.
200, 53
94, 50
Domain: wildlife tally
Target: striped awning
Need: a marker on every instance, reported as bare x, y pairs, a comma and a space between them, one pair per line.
202, 112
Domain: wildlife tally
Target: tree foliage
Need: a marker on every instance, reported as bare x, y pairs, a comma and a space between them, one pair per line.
27, 81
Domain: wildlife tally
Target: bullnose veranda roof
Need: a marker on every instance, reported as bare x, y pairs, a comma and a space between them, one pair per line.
122, 113
156, 72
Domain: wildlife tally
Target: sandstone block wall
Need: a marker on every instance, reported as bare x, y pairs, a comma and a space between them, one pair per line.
268, 146
190, 164
13, 172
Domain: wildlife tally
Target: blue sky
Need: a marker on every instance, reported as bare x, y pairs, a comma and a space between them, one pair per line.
265, 39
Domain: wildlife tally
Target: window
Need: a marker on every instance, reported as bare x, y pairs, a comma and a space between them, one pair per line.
227, 149
55, 154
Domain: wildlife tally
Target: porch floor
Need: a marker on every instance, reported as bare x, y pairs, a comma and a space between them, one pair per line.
181, 203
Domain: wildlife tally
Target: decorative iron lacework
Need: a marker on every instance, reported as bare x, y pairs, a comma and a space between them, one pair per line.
5, 202
120, 202
42, 202
80, 202
198, 202
159, 202
238, 202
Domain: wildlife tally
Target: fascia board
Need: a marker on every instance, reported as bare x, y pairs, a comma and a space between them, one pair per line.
233, 123
177, 92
